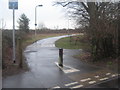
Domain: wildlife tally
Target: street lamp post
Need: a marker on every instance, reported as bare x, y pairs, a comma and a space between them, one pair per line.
36, 16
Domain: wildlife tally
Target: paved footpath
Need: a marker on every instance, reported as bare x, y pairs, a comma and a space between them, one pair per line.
42, 58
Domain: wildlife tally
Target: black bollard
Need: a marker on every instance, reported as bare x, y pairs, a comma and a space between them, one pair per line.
14, 61
61, 57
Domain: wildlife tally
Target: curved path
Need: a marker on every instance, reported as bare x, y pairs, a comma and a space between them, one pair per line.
44, 73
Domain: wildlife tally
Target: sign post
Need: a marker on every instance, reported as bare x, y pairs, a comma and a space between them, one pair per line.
13, 4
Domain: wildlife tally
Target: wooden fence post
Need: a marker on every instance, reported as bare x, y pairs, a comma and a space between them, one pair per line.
20, 53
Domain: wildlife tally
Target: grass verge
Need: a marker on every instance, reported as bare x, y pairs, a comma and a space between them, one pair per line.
81, 42
73, 42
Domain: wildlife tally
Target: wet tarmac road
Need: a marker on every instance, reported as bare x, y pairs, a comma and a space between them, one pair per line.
44, 73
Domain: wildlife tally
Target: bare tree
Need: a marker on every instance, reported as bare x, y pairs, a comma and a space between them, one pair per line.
101, 20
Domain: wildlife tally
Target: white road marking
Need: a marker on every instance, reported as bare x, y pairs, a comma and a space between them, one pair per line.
59, 66
50, 45
69, 70
91, 82
84, 80
108, 73
97, 76
78, 86
103, 79
71, 83
114, 75
56, 87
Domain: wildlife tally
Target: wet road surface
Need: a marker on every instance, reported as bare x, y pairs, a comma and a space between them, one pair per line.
44, 73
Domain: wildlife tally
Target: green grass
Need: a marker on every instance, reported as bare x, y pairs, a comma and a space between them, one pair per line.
66, 44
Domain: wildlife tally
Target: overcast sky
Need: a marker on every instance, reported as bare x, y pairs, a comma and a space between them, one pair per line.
51, 16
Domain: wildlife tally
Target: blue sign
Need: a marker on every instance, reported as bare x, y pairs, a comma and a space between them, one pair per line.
13, 5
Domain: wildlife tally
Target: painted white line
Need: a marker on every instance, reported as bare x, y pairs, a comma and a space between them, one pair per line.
71, 83
84, 80
59, 66
97, 76
51, 45
103, 79
70, 67
78, 86
114, 75
56, 87
70, 70
91, 82
67, 66
108, 74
